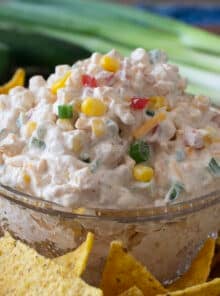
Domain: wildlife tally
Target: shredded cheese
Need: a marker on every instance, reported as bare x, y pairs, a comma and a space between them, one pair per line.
149, 125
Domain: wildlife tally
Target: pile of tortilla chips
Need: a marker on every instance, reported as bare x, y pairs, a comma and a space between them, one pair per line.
24, 272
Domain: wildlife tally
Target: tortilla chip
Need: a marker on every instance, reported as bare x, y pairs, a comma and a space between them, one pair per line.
122, 271
7, 243
211, 288
199, 270
133, 291
76, 261
24, 272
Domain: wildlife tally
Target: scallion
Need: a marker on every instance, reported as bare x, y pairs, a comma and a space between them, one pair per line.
214, 167
139, 151
150, 113
38, 143
174, 191
65, 111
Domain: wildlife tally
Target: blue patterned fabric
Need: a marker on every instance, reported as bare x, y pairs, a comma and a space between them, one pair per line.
197, 15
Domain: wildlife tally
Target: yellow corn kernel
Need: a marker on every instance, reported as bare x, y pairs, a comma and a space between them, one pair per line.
93, 107
60, 83
17, 79
65, 124
98, 127
26, 178
157, 102
30, 128
77, 144
143, 173
109, 64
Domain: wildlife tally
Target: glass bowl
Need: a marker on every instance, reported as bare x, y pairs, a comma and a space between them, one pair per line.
165, 239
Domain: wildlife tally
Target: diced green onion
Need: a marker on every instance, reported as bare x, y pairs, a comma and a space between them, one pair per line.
174, 191
38, 143
3, 133
65, 111
150, 113
214, 167
180, 155
139, 151
95, 165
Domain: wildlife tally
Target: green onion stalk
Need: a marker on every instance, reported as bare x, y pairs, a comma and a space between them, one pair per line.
100, 26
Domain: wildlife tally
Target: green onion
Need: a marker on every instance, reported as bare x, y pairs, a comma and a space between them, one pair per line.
38, 143
174, 191
65, 111
101, 26
150, 113
71, 20
3, 133
189, 36
214, 167
139, 151
95, 165
180, 155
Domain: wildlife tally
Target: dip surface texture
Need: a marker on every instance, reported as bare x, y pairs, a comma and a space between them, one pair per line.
110, 132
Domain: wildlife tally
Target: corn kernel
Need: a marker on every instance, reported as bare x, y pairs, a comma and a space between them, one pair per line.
65, 124
157, 102
30, 128
98, 127
77, 144
109, 64
26, 178
93, 107
143, 173
60, 83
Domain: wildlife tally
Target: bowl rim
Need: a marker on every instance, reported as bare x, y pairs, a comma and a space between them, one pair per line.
157, 213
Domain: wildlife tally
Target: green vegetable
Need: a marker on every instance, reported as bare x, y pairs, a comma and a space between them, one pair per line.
82, 21
174, 191
214, 167
150, 113
38, 143
65, 111
139, 151
180, 155
186, 34
101, 26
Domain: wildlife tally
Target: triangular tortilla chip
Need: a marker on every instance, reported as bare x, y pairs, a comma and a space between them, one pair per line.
199, 271
24, 272
211, 288
133, 291
76, 261
122, 271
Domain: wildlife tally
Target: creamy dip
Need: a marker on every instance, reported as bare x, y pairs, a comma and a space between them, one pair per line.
110, 132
